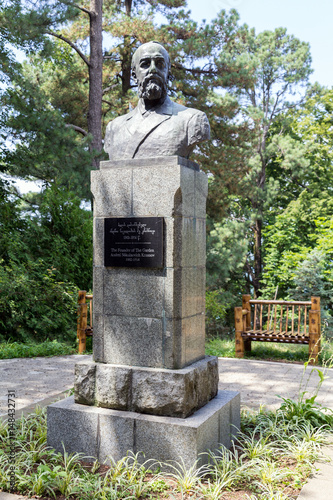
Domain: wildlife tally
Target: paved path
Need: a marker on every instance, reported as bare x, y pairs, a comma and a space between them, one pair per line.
35, 379
43, 380
260, 382
38, 380
320, 486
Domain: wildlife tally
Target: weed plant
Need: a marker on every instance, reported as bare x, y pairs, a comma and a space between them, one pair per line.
271, 459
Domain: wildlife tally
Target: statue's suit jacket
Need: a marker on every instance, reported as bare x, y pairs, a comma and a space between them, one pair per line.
166, 130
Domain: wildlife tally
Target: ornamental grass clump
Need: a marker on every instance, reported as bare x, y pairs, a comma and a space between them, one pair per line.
214, 490
226, 466
186, 479
258, 445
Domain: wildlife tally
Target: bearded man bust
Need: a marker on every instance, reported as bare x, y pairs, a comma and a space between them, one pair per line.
157, 126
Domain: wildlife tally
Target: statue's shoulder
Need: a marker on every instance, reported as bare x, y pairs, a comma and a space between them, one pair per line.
180, 108
190, 114
189, 111
117, 122
114, 132
198, 128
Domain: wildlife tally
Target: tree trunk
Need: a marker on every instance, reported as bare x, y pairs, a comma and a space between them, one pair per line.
95, 78
259, 209
126, 69
257, 257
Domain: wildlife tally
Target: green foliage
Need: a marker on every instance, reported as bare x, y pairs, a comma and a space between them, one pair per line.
11, 224
64, 227
297, 237
226, 254
25, 27
51, 75
299, 263
45, 111
43, 147
226, 257
310, 280
312, 126
36, 305
287, 243
45, 259
269, 161
306, 410
260, 77
215, 312
223, 347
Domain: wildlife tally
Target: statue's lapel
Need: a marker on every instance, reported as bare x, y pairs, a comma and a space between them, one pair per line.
140, 127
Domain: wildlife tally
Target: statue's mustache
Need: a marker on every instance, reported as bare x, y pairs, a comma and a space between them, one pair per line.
152, 87
152, 78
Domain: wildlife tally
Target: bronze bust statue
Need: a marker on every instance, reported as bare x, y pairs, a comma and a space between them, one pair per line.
157, 126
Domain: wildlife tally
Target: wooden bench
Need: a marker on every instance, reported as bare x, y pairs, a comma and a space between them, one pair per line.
278, 321
84, 312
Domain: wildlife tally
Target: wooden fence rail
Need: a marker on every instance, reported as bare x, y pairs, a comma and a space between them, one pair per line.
84, 313
293, 322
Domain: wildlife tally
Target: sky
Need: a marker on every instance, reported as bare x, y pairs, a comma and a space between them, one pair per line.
309, 20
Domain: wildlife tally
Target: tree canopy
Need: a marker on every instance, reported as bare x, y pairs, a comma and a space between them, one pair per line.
269, 162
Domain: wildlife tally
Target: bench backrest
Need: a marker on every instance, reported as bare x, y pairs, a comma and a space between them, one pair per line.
280, 317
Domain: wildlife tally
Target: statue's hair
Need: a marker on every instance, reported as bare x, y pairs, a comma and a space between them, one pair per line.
138, 50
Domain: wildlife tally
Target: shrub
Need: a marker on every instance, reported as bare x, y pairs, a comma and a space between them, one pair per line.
216, 310
35, 303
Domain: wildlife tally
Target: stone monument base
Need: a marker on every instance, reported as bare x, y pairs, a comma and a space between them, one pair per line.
157, 391
102, 433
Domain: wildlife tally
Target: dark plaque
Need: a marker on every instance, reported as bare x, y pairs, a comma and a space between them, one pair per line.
133, 242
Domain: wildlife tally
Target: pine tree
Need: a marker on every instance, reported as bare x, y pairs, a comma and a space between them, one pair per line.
67, 71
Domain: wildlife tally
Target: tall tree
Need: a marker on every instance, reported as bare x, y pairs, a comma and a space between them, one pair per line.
304, 207
265, 74
80, 26
34, 21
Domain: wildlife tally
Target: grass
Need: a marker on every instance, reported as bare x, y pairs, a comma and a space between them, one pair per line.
272, 459
225, 347
10, 350
215, 346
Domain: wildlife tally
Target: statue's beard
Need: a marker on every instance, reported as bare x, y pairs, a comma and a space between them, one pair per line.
152, 88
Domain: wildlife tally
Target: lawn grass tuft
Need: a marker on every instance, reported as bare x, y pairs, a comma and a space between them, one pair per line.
10, 350
225, 348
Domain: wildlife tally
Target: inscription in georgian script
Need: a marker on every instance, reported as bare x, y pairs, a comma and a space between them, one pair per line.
133, 242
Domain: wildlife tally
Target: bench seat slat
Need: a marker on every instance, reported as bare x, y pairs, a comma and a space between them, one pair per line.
271, 333
290, 339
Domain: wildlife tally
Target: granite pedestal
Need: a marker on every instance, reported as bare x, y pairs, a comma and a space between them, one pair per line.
103, 433
157, 391
147, 316
150, 387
